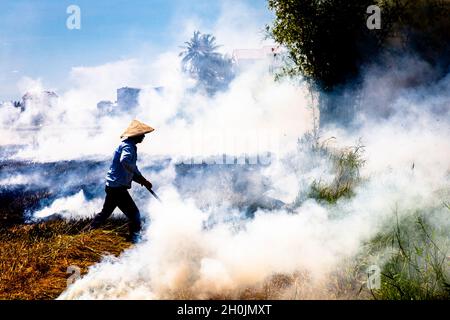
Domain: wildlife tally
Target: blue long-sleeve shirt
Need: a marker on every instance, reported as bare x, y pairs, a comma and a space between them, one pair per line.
123, 167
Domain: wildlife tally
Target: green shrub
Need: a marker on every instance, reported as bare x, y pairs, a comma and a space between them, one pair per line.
416, 263
346, 164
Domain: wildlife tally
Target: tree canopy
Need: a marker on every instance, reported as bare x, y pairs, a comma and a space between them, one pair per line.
328, 40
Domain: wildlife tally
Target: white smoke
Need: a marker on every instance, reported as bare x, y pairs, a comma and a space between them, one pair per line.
407, 169
178, 255
72, 207
235, 119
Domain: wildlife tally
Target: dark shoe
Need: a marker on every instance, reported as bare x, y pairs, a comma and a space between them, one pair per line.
134, 238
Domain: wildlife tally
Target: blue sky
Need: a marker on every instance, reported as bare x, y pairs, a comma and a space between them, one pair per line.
35, 42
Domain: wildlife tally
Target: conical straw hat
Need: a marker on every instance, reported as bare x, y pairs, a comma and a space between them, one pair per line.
136, 128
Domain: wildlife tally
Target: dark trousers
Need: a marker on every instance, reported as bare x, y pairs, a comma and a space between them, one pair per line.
119, 197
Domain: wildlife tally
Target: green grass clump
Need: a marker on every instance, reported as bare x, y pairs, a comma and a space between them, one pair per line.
346, 166
416, 263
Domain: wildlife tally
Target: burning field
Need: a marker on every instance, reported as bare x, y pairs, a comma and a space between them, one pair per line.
231, 231
271, 187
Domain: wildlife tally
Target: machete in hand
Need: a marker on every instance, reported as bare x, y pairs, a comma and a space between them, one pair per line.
154, 194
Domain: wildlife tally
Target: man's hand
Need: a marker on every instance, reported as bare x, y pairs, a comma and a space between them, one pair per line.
142, 181
147, 184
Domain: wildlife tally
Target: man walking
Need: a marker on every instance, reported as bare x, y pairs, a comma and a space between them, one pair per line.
122, 172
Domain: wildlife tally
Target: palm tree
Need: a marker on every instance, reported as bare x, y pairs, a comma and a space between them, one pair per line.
200, 59
197, 50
